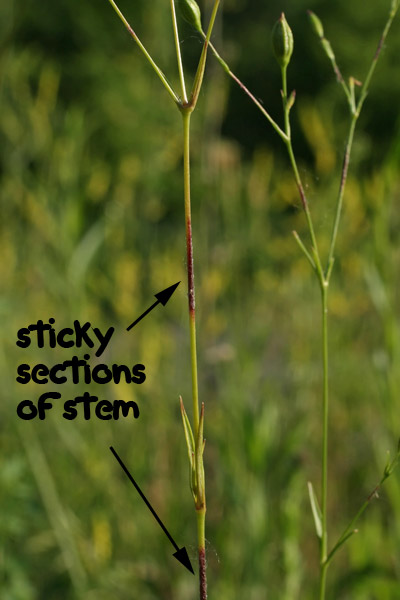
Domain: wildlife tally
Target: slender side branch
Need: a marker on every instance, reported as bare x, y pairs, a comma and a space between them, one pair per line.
355, 113
285, 136
156, 68
228, 71
326, 45
198, 80
339, 204
178, 52
306, 209
325, 422
304, 249
350, 529
287, 104
381, 43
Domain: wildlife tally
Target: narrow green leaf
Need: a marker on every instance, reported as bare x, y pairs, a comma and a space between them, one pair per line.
192, 478
304, 249
316, 511
191, 450
199, 458
188, 433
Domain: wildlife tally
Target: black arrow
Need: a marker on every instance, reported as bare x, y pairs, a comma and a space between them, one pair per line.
181, 553
162, 297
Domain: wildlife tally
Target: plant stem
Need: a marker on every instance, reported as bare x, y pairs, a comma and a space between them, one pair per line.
201, 516
324, 286
178, 52
364, 89
325, 411
300, 187
198, 80
232, 75
306, 209
322, 585
200, 495
190, 268
314, 259
349, 531
156, 68
339, 204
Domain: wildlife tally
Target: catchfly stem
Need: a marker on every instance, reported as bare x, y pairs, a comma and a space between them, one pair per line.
186, 105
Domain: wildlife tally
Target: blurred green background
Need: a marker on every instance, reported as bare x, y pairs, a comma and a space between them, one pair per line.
92, 226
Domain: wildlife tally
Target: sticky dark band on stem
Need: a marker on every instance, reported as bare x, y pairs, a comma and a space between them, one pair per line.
202, 574
302, 196
338, 74
345, 168
379, 48
190, 270
133, 34
374, 493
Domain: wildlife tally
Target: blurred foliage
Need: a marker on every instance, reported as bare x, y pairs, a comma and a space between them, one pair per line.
92, 226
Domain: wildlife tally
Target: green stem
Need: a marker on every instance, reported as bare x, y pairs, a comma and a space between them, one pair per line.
322, 582
325, 410
339, 204
349, 531
201, 515
186, 110
364, 89
178, 52
198, 437
198, 80
303, 197
228, 71
315, 261
355, 111
306, 209
147, 55
190, 268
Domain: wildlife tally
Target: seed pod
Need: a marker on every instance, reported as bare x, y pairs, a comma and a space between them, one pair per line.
282, 41
316, 24
190, 11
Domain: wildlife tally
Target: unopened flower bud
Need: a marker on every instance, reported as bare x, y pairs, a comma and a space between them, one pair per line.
316, 24
190, 11
328, 49
282, 41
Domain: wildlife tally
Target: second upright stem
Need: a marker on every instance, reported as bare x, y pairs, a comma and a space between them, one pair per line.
325, 411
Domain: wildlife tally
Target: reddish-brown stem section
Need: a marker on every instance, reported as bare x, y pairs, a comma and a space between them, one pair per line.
345, 169
190, 270
303, 197
203, 578
379, 48
244, 88
338, 74
131, 32
374, 493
